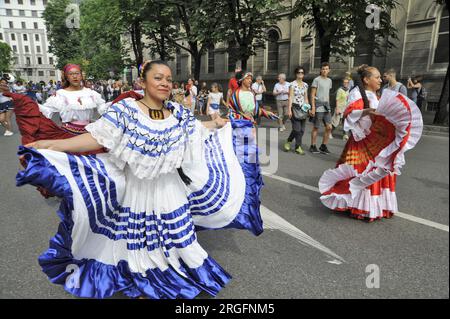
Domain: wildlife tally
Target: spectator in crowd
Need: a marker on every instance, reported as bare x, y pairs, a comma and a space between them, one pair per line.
177, 93
202, 99
50, 88
390, 78
259, 89
281, 93
215, 99
6, 109
233, 83
298, 97
31, 90
126, 87
192, 92
117, 89
19, 88
191, 95
341, 104
418, 92
320, 108
351, 83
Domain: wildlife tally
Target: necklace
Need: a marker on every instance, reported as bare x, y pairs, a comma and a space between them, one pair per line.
154, 114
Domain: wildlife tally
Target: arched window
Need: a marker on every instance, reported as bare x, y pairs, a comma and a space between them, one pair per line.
272, 51
211, 59
441, 50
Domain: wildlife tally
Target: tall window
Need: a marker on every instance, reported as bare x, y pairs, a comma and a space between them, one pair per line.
14, 48
192, 65
272, 51
35, 25
365, 47
36, 36
50, 60
232, 52
11, 25
317, 53
24, 26
441, 51
178, 58
28, 60
211, 59
27, 49
13, 37
1, 36
39, 60
33, 2
25, 37
38, 49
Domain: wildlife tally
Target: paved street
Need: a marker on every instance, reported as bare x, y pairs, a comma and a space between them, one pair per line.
306, 252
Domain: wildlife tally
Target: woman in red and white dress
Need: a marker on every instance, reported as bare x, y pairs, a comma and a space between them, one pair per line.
382, 130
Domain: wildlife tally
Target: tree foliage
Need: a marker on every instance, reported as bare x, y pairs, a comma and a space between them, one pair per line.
5, 57
245, 24
65, 43
340, 25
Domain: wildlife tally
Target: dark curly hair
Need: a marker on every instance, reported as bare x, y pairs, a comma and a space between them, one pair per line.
364, 71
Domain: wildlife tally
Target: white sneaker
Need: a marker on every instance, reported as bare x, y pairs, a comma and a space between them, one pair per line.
331, 136
282, 129
8, 133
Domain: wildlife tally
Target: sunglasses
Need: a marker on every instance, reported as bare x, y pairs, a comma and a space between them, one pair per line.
300, 72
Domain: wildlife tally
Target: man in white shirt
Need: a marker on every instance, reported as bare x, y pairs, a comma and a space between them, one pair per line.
281, 93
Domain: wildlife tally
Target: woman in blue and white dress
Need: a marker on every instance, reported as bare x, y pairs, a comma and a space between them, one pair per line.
130, 216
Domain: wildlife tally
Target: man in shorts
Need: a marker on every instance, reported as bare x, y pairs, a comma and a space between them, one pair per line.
320, 108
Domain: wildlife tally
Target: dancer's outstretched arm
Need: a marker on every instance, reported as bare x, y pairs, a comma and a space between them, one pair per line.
77, 144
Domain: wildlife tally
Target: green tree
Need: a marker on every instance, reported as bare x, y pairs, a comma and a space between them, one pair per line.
245, 23
65, 42
100, 43
340, 25
6, 58
199, 25
159, 28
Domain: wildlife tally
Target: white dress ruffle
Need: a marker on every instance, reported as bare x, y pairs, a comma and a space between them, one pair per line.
149, 147
74, 105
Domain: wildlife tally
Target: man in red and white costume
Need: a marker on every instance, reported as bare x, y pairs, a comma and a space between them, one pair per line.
382, 130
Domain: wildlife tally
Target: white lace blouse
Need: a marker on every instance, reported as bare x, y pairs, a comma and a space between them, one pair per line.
74, 106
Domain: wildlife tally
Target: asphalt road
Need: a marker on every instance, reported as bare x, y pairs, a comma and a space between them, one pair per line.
412, 257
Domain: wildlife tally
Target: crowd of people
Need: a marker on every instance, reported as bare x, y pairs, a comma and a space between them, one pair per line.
138, 182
